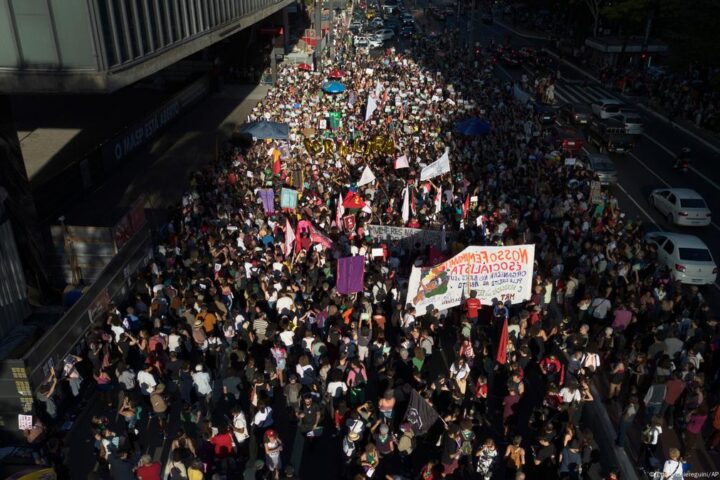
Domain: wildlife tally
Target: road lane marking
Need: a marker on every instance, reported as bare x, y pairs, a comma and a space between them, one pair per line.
637, 159
642, 210
693, 169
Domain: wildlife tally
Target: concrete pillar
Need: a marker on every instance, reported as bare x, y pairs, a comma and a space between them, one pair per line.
286, 29
20, 205
318, 19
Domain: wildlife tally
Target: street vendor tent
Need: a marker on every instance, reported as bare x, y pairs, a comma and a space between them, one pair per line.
267, 130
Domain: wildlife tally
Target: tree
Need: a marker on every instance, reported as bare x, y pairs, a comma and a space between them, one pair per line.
595, 7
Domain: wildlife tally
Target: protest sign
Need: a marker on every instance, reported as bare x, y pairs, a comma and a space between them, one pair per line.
350, 274
288, 198
502, 273
438, 167
267, 195
409, 237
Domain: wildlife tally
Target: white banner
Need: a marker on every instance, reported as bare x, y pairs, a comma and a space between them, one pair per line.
408, 236
502, 273
438, 167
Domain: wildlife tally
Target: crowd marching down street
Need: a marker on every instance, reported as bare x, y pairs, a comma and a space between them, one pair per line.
402, 265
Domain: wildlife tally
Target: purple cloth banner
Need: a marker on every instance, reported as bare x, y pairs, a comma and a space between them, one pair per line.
268, 200
350, 274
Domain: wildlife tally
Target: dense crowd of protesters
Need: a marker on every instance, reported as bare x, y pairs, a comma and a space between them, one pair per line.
235, 337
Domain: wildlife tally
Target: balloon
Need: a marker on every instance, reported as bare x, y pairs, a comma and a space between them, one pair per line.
389, 146
329, 146
308, 145
344, 150
358, 146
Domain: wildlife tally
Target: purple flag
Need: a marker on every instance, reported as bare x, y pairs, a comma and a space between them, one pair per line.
268, 200
350, 274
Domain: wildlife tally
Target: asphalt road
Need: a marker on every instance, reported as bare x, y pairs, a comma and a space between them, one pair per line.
649, 165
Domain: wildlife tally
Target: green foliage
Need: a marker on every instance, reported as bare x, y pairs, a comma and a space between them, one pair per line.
630, 15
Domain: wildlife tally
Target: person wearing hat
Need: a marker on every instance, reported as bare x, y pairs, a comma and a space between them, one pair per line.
273, 448
349, 448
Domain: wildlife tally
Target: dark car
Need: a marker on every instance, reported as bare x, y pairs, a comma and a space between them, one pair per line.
576, 113
568, 139
545, 113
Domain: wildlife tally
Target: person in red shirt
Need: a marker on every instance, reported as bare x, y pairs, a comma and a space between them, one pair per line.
472, 307
147, 469
223, 443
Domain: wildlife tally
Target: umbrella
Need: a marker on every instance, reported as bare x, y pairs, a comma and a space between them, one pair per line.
473, 127
265, 130
336, 74
305, 67
333, 87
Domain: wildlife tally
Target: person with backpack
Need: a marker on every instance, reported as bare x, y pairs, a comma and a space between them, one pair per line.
649, 438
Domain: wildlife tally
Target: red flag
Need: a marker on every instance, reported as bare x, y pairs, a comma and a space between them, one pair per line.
353, 200
502, 345
316, 236
562, 374
466, 206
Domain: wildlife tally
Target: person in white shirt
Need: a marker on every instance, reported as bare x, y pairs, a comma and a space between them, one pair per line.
673, 468
460, 370
201, 379
146, 380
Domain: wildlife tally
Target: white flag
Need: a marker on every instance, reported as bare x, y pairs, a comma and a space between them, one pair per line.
339, 212
438, 167
367, 177
406, 205
371, 106
402, 162
289, 238
438, 202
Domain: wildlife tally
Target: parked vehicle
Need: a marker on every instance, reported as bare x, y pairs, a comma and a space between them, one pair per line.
681, 206
606, 108
604, 167
686, 256
609, 136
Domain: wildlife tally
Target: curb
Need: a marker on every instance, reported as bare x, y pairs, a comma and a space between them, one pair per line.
518, 33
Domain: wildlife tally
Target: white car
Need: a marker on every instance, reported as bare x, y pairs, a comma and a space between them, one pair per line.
606, 108
686, 256
375, 41
361, 42
385, 33
632, 120
681, 206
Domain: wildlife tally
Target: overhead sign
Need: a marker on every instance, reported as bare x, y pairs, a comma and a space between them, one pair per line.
502, 273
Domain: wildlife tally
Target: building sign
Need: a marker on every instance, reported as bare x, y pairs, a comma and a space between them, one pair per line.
119, 148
